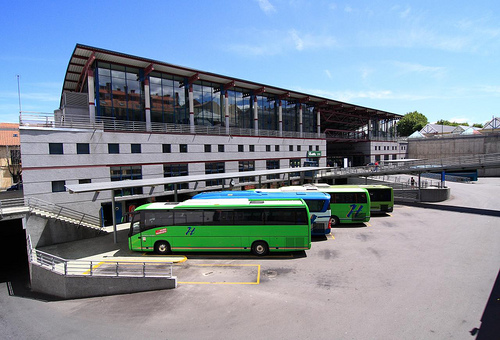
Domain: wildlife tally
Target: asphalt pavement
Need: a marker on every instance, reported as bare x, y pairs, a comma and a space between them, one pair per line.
423, 272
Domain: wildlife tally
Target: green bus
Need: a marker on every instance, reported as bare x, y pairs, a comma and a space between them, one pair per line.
347, 204
381, 196
259, 226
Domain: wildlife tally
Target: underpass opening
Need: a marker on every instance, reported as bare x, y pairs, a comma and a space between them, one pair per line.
14, 254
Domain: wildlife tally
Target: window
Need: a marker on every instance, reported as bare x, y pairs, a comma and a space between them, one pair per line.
113, 148
183, 148
290, 147
221, 147
268, 148
310, 148
273, 164
276, 148
251, 148
241, 148
299, 148
174, 170
55, 148
246, 166
167, 148
208, 148
82, 148
317, 147
120, 173
135, 148
84, 181
58, 186
214, 168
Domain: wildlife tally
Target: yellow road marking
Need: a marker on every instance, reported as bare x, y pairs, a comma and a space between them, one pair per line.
225, 283
87, 272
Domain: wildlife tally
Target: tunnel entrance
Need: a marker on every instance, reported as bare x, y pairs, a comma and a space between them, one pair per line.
14, 255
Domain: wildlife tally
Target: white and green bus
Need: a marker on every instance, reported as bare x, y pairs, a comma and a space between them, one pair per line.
347, 204
239, 225
381, 196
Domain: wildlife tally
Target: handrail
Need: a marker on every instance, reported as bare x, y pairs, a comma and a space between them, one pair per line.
423, 165
55, 211
99, 268
60, 212
109, 123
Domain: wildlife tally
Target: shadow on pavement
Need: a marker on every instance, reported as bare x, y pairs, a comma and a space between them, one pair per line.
466, 210
490, 321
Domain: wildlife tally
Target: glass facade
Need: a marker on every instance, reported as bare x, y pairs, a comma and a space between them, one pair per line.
207, 105
120, 96
168, 99
119, 92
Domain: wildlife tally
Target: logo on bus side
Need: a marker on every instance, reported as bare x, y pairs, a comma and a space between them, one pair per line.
354, 211
161, 231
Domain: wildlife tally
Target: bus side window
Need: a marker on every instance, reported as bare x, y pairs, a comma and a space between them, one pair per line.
136, 227
136, 224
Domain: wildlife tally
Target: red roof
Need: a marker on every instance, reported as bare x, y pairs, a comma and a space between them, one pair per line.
9, 134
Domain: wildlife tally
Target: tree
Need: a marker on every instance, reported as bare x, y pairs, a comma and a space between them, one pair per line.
478, 125
411, 122
448, 123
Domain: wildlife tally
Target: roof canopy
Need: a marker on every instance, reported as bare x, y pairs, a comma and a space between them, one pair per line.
336, 115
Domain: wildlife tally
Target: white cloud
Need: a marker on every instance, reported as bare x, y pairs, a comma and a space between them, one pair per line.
353, 96
277, 42
405, 13
405, 68
328, 74
299, 44
266, 6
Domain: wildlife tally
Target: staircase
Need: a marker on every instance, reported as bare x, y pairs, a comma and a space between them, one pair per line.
50, 211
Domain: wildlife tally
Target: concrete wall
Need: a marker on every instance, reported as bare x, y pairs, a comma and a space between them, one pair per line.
436, 148
74, 287
40, 168
45, 231
453, 147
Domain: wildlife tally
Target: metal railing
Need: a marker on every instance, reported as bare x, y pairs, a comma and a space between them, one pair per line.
416, 166
108, 123
99, 268
51, 210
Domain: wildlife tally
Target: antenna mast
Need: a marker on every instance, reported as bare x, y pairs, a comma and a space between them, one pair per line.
19, 93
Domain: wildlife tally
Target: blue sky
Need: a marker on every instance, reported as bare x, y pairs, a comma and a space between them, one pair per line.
441, 58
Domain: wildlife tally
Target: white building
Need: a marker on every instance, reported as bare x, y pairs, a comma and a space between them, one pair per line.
124, 117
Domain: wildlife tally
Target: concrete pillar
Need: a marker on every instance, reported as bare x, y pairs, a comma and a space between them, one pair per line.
318, 122
280, 118
226, 111
191, 108
91, 89
300, 120
255, 115
147, 104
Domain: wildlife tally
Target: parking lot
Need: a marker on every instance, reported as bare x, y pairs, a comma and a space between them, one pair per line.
422, 272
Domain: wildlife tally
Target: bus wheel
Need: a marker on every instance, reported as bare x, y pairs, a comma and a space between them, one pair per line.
260, 248
162, 248
335, 221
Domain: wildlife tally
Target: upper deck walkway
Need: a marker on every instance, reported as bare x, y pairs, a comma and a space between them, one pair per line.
419, 166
